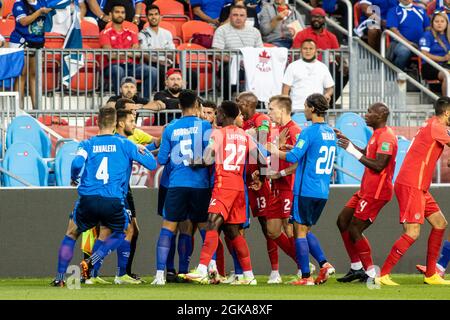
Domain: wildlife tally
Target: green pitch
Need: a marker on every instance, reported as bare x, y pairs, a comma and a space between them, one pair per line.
411, 288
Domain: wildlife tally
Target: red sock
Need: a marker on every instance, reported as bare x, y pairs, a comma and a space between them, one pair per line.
286, 245
272, 250
434, 247
398, 250
243, 254
364, 250
350, 247
209, 246
220, 259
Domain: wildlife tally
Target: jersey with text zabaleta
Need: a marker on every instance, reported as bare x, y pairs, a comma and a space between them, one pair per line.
107, 162
420, 160
378, 185
184, 142
231, 148
315, 152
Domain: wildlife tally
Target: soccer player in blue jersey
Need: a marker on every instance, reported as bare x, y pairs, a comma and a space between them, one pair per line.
183, 143
102, 190
314, 152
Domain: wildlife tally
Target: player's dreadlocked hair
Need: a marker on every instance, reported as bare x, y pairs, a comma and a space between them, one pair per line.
441, 104
318, 102
230, 109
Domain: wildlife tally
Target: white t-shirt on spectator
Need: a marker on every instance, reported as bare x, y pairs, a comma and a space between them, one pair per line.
306, 78
149, 39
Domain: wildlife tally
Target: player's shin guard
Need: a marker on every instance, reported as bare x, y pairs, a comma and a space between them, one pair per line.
364, 250
220, 258
302, 251
434, 245
184, 252
398, 250
240, 246
132, 252
123, 254
209, 246
350, 247
110, 244
272, 250
445, 255
163, 248
65, 255
315, 249
170, 262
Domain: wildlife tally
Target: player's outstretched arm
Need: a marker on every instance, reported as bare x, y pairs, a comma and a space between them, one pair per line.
164, 148
147, 159
285, 172
78, 162
378, 164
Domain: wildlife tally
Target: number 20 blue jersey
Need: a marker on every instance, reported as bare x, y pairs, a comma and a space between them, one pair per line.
315, 152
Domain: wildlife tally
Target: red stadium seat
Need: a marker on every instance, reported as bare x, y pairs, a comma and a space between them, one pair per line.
54, 40
195, 26
7, 7
87, 77
268, 45
91, 121
90, 34
198, 61
50, 120
51, 75
356, 14
431, 6
126, 25
171, 28
171, 7
7, 27
148, 121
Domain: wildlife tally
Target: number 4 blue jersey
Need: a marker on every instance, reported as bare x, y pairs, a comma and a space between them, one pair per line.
107, 161
315, 152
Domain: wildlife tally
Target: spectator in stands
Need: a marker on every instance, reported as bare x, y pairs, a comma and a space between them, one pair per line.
28, 33
435, 44
307, 76
443, 5
235, 35
118, 37
409, 23
100, 9
128, 89
277, 21
95, 13
170, 95
252, 14
373, 19
207, 10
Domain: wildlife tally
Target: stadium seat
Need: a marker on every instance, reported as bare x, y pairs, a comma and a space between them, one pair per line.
63, 162
403, 146
27, 129
269, 45
169, 7
7, 7
126, 25
200, 62
431, 6
54, 40
356, 14
91, 122
171, 28
86, 79
7, 27
51, 120
195, 26
300, 119
24, 161
90, 34
51, 75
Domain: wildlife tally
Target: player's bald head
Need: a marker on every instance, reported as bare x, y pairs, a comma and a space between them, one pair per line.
248, 97
381, 109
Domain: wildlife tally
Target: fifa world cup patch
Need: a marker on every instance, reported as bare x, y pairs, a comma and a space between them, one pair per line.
386, 146
265, 122
211, 141
301, 143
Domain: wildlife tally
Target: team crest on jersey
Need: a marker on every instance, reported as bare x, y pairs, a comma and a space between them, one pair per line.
264, 59
301, 143
385, 146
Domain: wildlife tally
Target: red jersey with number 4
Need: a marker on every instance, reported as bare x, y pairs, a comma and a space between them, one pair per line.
378, 185
287, 182
231, 147
420, 160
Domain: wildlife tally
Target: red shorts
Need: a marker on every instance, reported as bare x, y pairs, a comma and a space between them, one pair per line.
415, 204
280, 205
230, 204
366, 208
260, 200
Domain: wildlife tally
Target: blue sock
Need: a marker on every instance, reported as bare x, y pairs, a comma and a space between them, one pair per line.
302, 252
170, 263
65, 255
110, 244
315, 249
445, 255
94, 273
184, 252
203, 234
237, 265
123, 253
163, 248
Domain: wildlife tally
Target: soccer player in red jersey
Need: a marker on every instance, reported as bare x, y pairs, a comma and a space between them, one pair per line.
278, 227
376, 190
258, 125
230, 147
415, 201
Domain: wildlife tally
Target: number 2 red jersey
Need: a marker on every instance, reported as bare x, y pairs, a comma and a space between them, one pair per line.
287, 182
231, 147
378, 185
420, 160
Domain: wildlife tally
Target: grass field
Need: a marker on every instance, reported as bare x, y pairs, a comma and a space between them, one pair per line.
411, 287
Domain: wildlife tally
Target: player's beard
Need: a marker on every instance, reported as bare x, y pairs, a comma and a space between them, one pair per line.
128, 133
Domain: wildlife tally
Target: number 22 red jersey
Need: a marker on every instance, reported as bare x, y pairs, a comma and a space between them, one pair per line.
231, 147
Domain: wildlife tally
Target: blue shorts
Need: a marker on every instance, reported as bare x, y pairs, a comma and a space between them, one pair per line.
306, 210
91, 211
186, 204
162, 192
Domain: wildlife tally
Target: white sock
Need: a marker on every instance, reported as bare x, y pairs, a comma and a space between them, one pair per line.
202, 269
299, 273
248, 274
441, 268
372, 272
274, 273
160, 274
356, 265
212, 265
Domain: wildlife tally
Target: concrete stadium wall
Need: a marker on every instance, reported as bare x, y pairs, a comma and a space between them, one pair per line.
33, 222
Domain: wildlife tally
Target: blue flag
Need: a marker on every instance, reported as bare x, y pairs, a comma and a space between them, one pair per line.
75, 60
61, 5
14, 59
